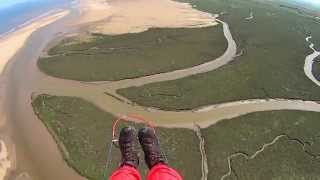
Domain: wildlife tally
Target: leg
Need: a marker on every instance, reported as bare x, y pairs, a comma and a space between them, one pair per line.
163, 172
159, 170
126, 173
129, 156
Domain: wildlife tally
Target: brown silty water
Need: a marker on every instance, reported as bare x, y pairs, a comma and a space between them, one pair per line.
36, 153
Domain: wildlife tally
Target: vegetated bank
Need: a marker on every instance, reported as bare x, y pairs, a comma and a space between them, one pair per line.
316, 69
83, 133
108, 58
273, 50
291, 142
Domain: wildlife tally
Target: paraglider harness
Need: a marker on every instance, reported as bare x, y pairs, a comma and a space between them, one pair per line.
115, 139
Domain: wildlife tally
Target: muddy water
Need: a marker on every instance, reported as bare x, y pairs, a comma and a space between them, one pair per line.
37, 155
186, 119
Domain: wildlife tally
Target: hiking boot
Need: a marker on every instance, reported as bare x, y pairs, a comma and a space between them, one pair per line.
151, 147
127, 143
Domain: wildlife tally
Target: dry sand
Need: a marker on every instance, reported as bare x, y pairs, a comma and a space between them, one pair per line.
5, 163
9, 45
130, 16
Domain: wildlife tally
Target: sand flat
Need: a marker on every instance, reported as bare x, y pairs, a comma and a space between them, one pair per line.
127, 16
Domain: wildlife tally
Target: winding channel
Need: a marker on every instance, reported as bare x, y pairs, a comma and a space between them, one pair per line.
206, 116
309, 62
34, 142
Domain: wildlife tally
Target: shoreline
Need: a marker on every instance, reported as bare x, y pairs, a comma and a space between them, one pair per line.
10, 43
27, 23
13, 41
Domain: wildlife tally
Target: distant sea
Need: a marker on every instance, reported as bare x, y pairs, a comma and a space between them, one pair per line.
14, 13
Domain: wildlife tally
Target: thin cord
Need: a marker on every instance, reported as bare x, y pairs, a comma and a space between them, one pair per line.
129, 117
109, 159
161, 149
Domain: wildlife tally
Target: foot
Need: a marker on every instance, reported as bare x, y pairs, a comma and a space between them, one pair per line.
151, 147
127, 143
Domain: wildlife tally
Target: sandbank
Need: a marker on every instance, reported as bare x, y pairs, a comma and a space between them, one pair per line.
126, 16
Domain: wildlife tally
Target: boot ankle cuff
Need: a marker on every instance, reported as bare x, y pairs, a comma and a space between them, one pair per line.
159, 163
131, 164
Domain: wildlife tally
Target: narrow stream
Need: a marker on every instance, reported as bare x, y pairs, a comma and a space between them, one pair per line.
309, 62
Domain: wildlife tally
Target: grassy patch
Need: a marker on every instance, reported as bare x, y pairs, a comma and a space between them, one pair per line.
271, 66
83, 131
283, 160
133, 55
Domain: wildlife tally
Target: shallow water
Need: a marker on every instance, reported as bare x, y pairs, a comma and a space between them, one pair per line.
15, 13
28, 161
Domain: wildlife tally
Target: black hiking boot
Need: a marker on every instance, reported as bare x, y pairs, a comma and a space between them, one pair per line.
151, 147
127, 143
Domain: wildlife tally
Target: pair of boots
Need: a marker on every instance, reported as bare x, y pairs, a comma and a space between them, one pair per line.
149, 143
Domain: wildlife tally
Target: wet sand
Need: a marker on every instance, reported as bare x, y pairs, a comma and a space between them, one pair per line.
5, 162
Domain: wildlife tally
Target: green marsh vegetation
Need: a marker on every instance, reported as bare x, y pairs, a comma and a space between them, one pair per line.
109, 58
285, 159
83, 133
274, 50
